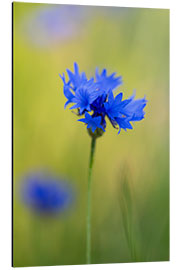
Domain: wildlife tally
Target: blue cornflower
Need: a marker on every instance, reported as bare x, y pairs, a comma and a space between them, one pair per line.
45, 194
97, 98
92, 122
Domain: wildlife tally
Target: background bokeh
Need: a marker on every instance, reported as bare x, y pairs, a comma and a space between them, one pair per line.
130, 200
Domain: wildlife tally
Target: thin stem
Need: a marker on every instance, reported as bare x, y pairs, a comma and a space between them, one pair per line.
88, 235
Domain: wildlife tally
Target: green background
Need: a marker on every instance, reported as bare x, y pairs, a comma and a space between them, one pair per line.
130, 200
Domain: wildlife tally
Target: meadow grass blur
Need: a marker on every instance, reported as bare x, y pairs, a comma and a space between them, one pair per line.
130, 202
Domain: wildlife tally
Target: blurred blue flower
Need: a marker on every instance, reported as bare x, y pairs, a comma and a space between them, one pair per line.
54, 24
97, 98
45, 194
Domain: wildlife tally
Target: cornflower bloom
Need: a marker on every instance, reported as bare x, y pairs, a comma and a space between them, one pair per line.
45, 194
95, 100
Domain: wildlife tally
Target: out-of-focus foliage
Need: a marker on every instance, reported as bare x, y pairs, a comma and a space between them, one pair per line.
130, 209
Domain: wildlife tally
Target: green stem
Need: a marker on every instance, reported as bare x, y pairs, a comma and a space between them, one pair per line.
88, 235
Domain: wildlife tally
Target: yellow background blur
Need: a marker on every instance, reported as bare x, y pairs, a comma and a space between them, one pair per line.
131, 171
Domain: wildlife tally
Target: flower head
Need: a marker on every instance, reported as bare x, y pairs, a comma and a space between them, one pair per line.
45, 194
96, 97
